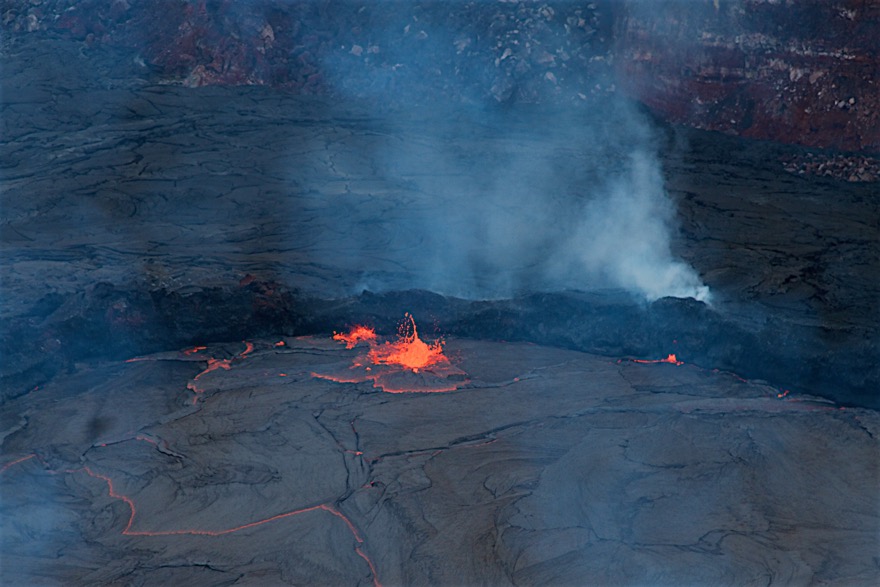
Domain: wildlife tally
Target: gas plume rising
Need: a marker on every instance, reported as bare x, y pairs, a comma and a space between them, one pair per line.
508, 198
544, 206
624, 236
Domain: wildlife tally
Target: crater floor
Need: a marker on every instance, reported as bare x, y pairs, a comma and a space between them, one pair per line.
547, 467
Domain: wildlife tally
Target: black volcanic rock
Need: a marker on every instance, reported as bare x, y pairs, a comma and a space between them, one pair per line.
546, 467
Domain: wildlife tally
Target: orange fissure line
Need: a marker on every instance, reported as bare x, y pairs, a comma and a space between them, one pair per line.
16, 461
363, 555
344, 518
248, 349
115, 495
143, 438
671, 359
213, 365
127, 531
194, 350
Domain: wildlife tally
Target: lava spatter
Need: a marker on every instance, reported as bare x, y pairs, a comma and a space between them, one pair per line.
409, 351
356, 335
405, 365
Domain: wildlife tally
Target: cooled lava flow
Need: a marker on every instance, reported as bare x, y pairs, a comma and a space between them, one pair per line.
213, 364
132, 507
127, 531
673, 360
406, 365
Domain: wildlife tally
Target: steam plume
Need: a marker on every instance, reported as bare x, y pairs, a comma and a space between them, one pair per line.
506, 199
624, 236
536, 202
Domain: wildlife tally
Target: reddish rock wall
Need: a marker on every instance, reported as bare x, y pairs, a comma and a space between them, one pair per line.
800, 72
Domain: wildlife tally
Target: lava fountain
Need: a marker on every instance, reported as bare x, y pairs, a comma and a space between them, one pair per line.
409, 350
405, 365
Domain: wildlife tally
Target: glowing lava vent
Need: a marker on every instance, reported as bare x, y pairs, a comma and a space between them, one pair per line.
355, 335
406, 365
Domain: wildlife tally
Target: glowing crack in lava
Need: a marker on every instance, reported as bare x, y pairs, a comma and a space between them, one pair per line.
127, 531
132, 507
16, 461
671, 359
213, 365
406, 365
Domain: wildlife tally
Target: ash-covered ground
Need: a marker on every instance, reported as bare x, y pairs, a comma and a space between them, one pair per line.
141, 218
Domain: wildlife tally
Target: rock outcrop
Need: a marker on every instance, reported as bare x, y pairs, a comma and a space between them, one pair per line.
794, 72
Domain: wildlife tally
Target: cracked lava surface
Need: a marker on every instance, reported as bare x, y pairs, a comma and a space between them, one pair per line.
545, 467
230, 464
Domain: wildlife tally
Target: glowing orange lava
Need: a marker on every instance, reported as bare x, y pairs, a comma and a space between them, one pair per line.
356, 335
213, 365
15, 462
248, 349
671, 359
194, 350
406, 365
409, 350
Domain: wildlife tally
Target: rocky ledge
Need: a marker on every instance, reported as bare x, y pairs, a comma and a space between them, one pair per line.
801, 73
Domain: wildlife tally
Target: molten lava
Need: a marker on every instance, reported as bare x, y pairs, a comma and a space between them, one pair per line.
407, 364
671, 359
193, 350
16, 461
214, 365
409, 350
356, 335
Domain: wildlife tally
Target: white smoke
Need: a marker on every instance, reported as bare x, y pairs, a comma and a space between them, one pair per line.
623, 237
542, 202
494, 200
